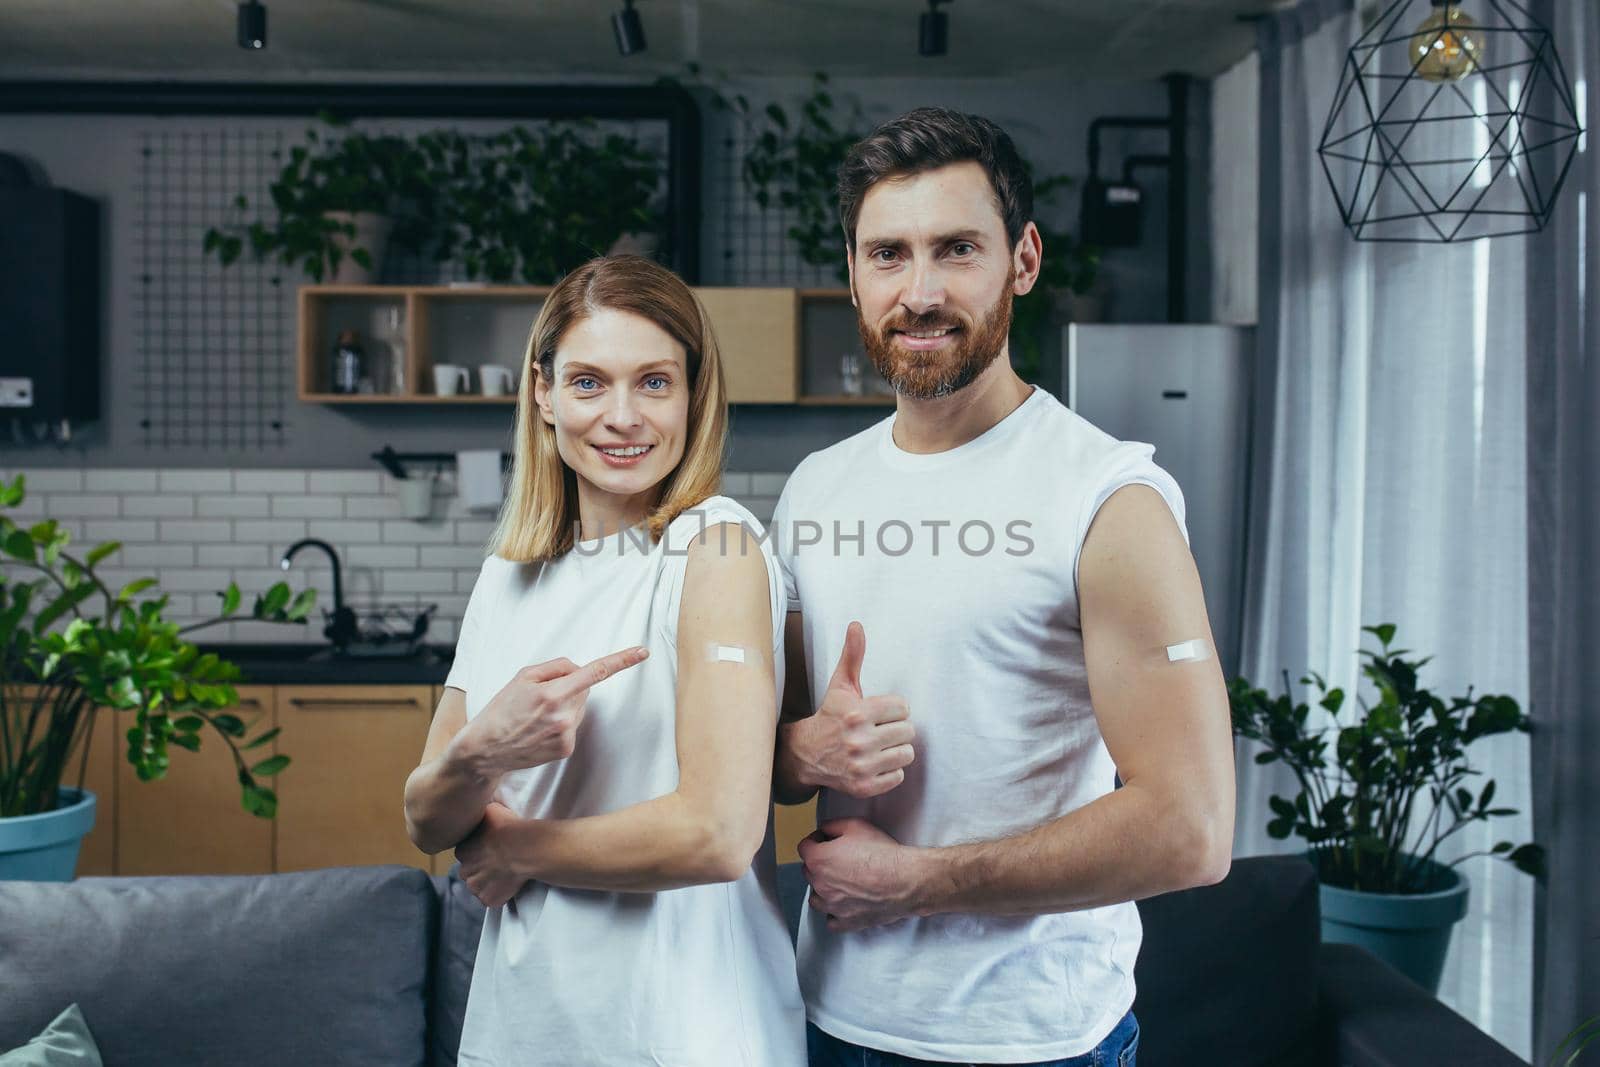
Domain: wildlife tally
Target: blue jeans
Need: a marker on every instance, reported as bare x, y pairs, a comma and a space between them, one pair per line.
1119, 1049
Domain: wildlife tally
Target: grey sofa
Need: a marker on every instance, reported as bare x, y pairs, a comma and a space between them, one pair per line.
370, 965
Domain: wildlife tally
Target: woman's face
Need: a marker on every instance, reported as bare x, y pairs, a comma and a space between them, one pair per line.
619, 404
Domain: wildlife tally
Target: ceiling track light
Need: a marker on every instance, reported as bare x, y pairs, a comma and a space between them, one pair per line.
252, 25
629, 30
933, 30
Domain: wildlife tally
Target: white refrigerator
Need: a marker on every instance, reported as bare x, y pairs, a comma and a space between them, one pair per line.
1184, 388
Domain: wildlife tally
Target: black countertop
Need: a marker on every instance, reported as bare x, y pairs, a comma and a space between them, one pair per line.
315, 664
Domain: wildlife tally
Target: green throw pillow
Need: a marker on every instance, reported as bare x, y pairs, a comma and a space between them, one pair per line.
64, 1043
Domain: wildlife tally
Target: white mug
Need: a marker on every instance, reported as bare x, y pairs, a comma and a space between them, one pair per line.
416, 495
450, 379
494, 380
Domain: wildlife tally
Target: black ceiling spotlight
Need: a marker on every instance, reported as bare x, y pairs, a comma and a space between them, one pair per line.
252, 24
629, 29
933, 30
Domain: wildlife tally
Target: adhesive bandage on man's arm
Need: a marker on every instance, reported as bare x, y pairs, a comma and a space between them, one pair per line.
1192, 650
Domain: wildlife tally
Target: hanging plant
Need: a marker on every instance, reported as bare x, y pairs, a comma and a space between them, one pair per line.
352, 174
535, 204
519, 204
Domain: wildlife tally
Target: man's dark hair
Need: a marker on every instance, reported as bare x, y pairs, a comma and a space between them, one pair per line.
932, 137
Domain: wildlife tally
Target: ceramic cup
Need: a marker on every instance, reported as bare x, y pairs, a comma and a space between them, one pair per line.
415, 495
450, 379
494, 380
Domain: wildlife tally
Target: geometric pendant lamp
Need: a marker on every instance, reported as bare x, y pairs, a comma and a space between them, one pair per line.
1451, 121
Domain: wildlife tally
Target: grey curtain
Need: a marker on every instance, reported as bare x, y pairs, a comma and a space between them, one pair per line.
1564, 558
1388, 483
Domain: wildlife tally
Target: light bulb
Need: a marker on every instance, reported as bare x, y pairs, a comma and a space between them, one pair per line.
1447, 46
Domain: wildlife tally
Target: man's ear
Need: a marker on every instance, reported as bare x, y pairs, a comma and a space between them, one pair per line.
541, 396
850, 272
1026, 260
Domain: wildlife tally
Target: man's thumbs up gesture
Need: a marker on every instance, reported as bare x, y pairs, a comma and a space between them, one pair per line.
856, 744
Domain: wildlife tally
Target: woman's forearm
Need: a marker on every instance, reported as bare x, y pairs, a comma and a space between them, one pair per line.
666, 843
445, 797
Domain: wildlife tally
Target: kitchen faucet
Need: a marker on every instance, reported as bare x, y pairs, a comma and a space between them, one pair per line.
341, 628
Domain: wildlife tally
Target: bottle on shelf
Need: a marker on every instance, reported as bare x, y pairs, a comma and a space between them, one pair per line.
349, 363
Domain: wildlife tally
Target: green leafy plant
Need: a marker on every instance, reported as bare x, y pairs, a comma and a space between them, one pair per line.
537, 203
793, 163
122, 657
336, 171
516, 203
1585, 1035
1068, 265
1357, 813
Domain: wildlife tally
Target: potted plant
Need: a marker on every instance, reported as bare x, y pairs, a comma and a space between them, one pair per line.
528, 204
533, 204
1382, 885
115, 652
339, 201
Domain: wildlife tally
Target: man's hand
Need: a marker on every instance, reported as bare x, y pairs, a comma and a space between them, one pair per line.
487, 857
534, 720
855, 744
859, 875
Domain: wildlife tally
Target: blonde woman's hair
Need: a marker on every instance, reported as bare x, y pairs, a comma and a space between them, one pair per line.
540, 514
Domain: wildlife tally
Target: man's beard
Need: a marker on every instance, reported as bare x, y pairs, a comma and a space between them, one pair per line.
927, 375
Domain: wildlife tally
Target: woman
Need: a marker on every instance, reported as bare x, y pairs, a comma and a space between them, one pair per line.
618, 810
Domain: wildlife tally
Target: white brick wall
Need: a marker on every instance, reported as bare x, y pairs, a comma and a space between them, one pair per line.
197, 530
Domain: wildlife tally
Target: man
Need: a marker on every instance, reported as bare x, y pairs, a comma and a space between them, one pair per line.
1037, 629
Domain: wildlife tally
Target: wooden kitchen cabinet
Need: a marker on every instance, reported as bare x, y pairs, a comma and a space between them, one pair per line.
758, 340
791, 825
192, 821
340, 803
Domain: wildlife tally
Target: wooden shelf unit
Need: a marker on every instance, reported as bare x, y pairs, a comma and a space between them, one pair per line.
768, 358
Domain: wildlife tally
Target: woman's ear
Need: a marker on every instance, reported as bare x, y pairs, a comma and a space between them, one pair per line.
542, 395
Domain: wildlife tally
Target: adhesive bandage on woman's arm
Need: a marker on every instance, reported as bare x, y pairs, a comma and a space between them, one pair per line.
720, 653
1192, 650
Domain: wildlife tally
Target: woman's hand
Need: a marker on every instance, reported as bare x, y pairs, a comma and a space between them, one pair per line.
488, 857
534, 720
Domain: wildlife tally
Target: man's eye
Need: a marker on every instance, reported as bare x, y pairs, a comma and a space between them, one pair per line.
881, 253
962, 248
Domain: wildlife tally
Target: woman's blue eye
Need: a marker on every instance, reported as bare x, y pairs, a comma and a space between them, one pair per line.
658, 378
578, 382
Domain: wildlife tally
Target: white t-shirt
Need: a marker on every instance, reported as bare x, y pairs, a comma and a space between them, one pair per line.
700, 976
975, 623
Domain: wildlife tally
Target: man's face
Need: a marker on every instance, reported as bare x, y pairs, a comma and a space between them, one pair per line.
932, 277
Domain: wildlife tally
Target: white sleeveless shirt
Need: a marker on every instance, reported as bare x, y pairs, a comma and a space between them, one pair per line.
962, 566
702, 976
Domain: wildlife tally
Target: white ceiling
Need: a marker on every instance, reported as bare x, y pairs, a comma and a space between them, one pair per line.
1112, 40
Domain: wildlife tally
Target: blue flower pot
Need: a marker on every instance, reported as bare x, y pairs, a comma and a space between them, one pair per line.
1409, 931
44, 847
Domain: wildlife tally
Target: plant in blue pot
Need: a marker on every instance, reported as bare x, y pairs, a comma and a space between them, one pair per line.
72, 651
1379, 794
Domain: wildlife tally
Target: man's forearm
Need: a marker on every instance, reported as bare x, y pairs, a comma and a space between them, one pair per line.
1126, 845
665, 843
445, 797
788, 784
